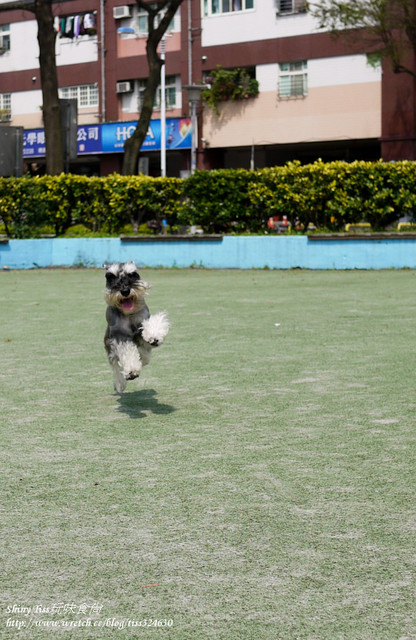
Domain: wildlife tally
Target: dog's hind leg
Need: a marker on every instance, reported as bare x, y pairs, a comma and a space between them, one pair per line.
145, 351
128, 357
124, 358
119, 380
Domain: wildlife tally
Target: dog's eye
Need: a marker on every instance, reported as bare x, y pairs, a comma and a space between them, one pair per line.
133, 277
110, 277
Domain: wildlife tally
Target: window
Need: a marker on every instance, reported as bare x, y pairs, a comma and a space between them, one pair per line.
4, 38
5, 107
284, 7
142, 17
86, 94
293, 79
170, 93
132, 102
215, 7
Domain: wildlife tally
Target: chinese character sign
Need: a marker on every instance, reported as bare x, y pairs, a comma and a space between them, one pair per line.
110, 137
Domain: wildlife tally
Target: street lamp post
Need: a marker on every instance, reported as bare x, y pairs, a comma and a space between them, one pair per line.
162, 110
194, 96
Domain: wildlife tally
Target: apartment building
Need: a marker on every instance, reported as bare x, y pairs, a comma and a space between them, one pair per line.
318, 97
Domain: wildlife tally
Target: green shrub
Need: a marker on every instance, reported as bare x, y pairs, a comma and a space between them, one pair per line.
327, 195
330, 195
219, 202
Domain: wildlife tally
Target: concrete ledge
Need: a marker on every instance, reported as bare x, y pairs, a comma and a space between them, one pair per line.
171, 238
4, 240
382, 235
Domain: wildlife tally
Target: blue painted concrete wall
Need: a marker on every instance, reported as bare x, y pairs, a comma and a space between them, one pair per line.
234, 252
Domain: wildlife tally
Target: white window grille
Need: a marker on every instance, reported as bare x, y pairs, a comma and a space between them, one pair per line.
285, 7
216, 7
293, 79
5, 107
85, 94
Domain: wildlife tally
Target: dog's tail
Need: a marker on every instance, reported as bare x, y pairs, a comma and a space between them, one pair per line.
156, 328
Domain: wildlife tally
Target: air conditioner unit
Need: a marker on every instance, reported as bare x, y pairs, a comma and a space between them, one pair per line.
124, 87
121, 12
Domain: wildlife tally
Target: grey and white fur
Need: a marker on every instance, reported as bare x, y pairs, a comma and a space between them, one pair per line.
132, 333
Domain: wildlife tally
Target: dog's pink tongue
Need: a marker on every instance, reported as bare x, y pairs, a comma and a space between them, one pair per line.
127, 304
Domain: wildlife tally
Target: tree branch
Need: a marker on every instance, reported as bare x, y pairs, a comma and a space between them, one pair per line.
26, 5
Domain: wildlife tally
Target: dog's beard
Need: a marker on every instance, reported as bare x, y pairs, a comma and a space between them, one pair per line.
128, 304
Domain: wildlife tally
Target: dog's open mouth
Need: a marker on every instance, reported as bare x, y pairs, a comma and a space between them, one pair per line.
127, 304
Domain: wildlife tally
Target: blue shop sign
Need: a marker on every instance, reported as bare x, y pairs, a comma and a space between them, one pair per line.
110, 137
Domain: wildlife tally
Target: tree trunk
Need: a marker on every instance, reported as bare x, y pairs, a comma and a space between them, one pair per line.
49, 81
133, 145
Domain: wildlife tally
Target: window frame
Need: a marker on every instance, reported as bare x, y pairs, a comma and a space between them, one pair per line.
171, 88
143, 15
289, 7
6, 107
5, 41
225, 7
87, 95
291, 76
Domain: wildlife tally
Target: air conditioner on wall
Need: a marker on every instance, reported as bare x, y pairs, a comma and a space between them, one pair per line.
124, 87
121, 12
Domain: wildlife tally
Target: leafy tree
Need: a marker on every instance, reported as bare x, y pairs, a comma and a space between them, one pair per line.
159, 16
49, 80
387, 26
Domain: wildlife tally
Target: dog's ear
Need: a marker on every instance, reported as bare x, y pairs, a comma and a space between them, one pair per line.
130, 268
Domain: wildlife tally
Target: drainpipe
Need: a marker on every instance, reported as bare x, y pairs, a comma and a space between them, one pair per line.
189, 42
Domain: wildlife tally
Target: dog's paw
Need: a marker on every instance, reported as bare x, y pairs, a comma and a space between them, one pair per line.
155, 329
132, 375
131, 372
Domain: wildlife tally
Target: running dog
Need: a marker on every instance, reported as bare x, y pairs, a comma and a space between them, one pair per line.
132, 333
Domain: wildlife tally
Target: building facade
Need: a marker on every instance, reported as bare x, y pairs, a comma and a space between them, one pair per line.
317, 97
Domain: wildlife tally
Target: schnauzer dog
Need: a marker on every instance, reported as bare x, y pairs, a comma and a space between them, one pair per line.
131, 332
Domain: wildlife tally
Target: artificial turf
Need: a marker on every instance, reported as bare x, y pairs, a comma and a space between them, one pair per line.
256, 482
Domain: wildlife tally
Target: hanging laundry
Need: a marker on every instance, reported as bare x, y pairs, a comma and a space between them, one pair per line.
69, 32
77, 26
90, 24
62, 27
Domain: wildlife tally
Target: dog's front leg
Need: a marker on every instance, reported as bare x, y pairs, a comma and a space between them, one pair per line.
155, 329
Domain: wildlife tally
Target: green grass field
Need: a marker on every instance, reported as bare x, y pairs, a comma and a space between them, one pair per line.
257, 482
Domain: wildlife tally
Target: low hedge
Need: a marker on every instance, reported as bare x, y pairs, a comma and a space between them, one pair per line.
327, 195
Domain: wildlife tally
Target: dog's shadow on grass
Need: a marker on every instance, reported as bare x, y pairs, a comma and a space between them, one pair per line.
138, 403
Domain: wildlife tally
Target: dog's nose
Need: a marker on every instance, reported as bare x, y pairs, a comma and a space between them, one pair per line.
125, 292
